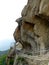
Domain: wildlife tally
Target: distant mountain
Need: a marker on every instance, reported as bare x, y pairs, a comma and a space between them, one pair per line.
3, 52
6, 44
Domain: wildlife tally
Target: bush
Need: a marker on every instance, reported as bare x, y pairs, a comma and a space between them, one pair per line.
11, 61
21, 61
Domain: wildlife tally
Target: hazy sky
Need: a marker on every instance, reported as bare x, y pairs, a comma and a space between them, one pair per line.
10, 10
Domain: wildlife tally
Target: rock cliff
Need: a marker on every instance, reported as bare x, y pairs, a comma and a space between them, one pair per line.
33, 34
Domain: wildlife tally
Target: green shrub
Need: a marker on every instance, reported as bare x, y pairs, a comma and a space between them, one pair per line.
11, 61
21, 61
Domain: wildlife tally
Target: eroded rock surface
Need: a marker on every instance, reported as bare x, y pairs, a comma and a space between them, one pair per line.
32, 26
33, 32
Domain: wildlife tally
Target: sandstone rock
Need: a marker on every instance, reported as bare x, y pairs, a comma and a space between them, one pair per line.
44, 7
19, 20
33, 30
32, 8
17, 34
24, 11
43, 31
27, 34
19, 46
32, 33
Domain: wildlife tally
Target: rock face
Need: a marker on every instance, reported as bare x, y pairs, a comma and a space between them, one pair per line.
33, 27
33, 33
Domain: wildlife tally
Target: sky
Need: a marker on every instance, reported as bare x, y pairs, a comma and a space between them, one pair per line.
10, 10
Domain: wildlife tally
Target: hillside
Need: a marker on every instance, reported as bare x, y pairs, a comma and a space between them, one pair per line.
3, 59
3, 52
3, 55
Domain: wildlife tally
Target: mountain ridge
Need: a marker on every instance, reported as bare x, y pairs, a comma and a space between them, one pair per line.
3, 52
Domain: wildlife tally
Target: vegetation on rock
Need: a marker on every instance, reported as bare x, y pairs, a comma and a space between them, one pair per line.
21, 61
